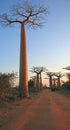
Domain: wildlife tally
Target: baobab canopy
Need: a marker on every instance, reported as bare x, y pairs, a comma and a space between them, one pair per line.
25, 12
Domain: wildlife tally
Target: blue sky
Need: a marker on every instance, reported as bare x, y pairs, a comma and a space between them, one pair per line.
48, 46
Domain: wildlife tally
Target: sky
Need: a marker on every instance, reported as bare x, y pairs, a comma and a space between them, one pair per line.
48, 46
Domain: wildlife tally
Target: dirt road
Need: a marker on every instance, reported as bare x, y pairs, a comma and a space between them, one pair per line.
49, 111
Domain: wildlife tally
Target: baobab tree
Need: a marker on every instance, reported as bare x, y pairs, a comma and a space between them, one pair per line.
50, 74
34, 70
24, 14
54, 82
34, 78
58, 75
38, 70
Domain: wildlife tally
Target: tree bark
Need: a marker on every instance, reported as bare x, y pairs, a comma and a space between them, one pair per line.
50, 81
40, 81
59, 82
23, 74
38, 85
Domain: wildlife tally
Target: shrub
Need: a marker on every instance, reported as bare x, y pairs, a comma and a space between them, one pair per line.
6, 83
66, 86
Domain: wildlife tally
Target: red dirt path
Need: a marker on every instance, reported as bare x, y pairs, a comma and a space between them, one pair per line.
48, 111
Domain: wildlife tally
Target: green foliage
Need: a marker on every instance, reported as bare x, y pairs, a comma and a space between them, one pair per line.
65, 89
6, 83
66, 86
31, 85
32, 90
13, 94
7, 79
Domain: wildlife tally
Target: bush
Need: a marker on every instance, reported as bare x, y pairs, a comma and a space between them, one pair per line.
66, 86
6, 82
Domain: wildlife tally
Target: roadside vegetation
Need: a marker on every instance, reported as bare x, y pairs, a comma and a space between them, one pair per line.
33, 91
64, 89
9, 93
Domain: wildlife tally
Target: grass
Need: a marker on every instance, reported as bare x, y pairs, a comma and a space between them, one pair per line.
64, 92
33, 94
12, 96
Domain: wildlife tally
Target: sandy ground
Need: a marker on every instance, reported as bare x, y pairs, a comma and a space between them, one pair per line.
48, 111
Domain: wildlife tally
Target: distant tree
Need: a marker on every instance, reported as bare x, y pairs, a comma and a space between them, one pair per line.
24, 13
67, 68
30, 83
50, 74
68, 76
58, 75
66, 86
38, 70
34, 78
54, 82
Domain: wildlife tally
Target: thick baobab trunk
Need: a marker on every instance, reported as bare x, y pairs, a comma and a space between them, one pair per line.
68, 78
35, 83
59, 82
50, 81
23, 76
54, 83
38, 85
40, 81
